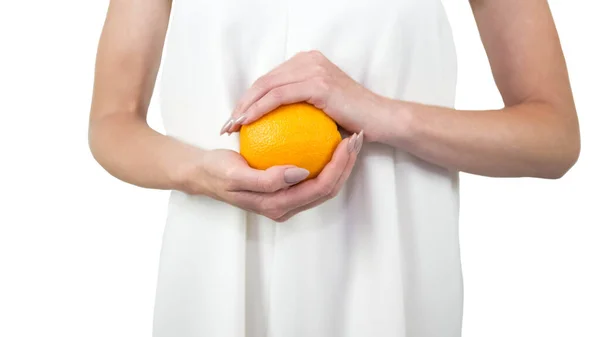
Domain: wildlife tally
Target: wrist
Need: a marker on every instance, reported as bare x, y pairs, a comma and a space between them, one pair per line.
394, 123
187, 175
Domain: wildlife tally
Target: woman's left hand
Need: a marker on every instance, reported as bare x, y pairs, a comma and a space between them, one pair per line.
308, 77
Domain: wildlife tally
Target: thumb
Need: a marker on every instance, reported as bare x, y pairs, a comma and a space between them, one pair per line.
272, 179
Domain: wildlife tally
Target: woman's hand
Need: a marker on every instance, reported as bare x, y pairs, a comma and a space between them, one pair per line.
308, 77
278, 192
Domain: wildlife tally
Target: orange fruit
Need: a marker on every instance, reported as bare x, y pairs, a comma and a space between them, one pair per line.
297, 134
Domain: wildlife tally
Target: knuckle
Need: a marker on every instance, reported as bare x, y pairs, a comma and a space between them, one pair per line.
281, 219
334, 192
277, 93
327, 189
319, 69
252, 205
267, 214
261, 208
321, 92
230, 180
254, 107
330, 195
229, 185
274, 214
315, 55
270, 185
269, 209
229, 173
322, 83
266, 185
263, 82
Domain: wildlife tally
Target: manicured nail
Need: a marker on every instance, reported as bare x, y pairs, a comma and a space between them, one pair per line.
295, 175
227, 125
352, 143
235, 122
240, 120
359, 142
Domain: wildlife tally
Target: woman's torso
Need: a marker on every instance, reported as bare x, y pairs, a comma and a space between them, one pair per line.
382, 258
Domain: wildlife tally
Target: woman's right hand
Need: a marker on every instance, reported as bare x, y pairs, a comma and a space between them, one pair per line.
278, 192
123, 143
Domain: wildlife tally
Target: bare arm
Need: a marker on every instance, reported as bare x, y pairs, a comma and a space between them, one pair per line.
128, 60
536, 134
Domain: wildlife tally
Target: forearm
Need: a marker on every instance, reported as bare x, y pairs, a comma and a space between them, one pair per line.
133, 152
526, 140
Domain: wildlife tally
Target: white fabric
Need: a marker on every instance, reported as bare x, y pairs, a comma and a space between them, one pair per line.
382, 258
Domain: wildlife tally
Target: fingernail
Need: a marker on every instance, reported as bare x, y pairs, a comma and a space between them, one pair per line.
295, 175
352, 143
359, 142
227, 125
234, 123
240, 120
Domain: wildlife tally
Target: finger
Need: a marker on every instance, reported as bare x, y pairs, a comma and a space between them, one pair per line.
340, 183
268, 181
263, 85
286, 94
271, 205
319, 187
292, 71
288, 72
277, 205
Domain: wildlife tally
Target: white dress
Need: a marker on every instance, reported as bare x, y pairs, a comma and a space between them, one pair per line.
379, 260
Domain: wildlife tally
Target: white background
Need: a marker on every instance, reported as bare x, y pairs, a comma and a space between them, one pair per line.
79, 250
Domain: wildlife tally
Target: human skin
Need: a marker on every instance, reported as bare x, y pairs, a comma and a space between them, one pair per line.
535, 135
